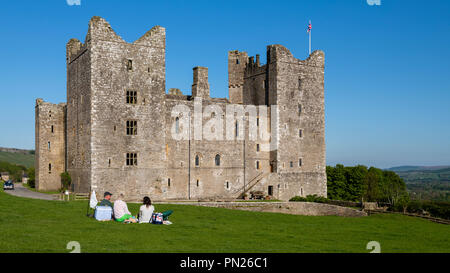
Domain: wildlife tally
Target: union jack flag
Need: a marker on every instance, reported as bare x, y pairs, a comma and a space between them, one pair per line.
309, 27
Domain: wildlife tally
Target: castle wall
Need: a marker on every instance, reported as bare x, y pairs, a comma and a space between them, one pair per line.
237, 158
50, 145
79, 99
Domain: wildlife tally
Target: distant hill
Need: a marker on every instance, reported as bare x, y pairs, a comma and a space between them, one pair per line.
431, 183
416, 168
17, 156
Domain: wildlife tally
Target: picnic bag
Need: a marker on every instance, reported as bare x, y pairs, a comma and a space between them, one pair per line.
157, 218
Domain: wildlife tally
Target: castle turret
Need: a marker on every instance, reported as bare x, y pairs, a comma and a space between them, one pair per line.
237, 61
200, 87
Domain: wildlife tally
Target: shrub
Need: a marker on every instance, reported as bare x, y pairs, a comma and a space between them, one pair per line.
310, 198
66, 181
297, 199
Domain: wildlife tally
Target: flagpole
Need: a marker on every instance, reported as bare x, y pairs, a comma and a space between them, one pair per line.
310, 38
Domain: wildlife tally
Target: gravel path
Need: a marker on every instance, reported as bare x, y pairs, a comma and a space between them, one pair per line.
21, 191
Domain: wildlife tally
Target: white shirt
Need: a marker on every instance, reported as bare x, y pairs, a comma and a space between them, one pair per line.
145, 213
120, 209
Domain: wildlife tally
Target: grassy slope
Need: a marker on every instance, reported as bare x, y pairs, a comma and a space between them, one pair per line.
18, 158
28, 225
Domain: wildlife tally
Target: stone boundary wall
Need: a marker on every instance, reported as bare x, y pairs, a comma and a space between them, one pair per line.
297, 208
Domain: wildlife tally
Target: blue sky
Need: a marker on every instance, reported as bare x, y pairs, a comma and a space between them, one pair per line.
387, 77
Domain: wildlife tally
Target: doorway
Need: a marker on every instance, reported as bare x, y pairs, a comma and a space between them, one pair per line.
270, 191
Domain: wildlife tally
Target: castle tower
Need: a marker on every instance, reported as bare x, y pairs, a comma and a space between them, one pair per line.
237, 62
297, 89
50, 145
112, 88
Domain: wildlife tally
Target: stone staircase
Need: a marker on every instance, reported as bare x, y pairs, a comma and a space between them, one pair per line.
254, 181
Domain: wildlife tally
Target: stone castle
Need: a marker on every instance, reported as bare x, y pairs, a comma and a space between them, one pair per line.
115, 133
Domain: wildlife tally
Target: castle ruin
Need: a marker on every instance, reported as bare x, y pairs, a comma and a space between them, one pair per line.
115, 133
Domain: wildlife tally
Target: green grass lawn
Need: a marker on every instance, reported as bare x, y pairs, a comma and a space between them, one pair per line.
28, 225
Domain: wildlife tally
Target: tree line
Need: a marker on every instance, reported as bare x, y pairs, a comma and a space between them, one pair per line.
360, 183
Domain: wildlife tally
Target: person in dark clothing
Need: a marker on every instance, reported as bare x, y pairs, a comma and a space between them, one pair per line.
105, 201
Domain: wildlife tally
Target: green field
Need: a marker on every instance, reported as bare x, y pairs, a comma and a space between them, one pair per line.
28, 225
26, 160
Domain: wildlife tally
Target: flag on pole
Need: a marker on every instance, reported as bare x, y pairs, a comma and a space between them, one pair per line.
309, 32
93, 201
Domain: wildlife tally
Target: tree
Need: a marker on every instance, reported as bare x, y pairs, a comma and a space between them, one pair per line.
374, 179
394, 188
31, 177
336, 183
356, 181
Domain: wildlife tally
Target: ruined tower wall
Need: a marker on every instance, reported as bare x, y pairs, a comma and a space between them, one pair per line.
255, 76
237, 62
79, 98
50, 145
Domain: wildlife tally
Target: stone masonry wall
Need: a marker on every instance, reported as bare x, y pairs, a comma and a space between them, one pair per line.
50, 145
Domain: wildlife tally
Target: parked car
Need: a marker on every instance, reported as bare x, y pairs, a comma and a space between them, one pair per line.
8, 185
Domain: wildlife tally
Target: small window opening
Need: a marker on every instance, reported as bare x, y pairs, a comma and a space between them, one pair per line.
177, 125
217, 160
130, 65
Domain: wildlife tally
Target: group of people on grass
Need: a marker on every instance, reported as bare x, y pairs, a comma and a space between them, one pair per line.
122, 214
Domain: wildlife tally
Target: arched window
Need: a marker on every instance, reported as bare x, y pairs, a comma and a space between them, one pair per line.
217, 160
197, 160
177, 125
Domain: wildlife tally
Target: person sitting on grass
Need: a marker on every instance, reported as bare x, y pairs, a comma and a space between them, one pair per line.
106, 201
147, 209
121, 212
